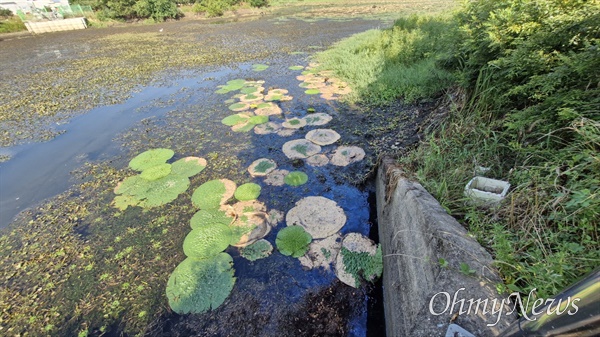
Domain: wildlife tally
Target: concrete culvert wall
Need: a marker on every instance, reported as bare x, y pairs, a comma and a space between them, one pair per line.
415, 233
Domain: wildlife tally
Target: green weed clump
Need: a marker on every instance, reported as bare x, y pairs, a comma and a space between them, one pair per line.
530, 72
400, 62
11, 24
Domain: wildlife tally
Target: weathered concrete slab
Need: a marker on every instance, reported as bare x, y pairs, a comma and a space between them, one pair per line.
56, 26
421, 297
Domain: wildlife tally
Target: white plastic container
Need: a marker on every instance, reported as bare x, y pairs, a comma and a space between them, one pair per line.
486, 191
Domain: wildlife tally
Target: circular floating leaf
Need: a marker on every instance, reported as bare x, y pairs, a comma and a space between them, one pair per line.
296, 178
359, 258
300, 149
258, 250
258, 120
243, 127
317, 160
213, 193
294, 123
248, 191
259, 67
162, 191
267, 109
261, 167
249, 90
150, 158
296, 68
156, 172
209, 217
319, 118
207, 241
276, 178
323, 136
293, 241
312, 92
188, 166
248, 98
235, 119
239, 107
196, 286
320, 216
345, 155
267, 128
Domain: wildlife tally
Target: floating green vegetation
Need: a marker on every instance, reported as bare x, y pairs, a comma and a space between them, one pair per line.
207, 241
212, 194
159, 183
248, 90
293, 241
259, 67
156, 172
239, 106
196, 286
188, 166
296, 68
311, 110
296, 178
261, 167
258, 250
258, 120
264, 105
232, 85
235, 119
272, 98
150, 158
362, 265
209, 217
312, 92
248, 191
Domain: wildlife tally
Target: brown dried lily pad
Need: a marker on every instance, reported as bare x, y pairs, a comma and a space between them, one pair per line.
276, 177
346, 155
300, 149
323, 136
322, 253
267, 128
261, 167
294, 123
317, 160
320, 217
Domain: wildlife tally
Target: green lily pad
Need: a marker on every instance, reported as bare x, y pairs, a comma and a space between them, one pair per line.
263, 105
243, 127
296, 178
248, 191
312, 92
156, 172
258, 120
123, 201
259, 67
248, 90
293, 241
209, 217
207, 241
188, 166
258, 250
150, 158
235, 119
296, 68
163, 191
196, 286
239, 106
213, 193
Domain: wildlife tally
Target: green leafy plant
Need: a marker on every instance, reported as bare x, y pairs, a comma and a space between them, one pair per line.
258, 250
248, 191
362, 265
196, 286
150, 158
296, 178
212, 194
209, 217
293, 241
207, 241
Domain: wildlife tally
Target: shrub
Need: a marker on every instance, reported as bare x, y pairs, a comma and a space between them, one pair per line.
259, 3
158, 10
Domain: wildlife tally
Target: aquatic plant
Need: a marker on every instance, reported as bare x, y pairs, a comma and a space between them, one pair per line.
209, 217
207, 241
293, 241
300, 149
346, 155
235, 119
321, 217
262, 167
156, 172
213, 193
259, 67
360, 258
150, 158
294, 123
317, 160
136, 190
323, 136
188, 166
196, 286
258, 250
239, 106
319, 118
258, 120
232, 85
267, 128
295, 67
296, 178
248, 191
312, 92
276, 178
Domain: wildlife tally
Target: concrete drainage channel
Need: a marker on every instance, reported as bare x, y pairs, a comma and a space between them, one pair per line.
426, 289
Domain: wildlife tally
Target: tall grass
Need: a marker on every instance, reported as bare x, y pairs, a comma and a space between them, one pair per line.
401, 62
11, 25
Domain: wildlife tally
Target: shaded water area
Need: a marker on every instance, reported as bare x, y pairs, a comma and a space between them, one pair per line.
81, 265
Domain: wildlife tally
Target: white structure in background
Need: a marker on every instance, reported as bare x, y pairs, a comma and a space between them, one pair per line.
28, 5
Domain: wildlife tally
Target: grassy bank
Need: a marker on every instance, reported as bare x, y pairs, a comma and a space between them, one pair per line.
530, 111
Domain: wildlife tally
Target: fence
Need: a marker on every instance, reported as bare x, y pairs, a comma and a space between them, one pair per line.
35, 14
